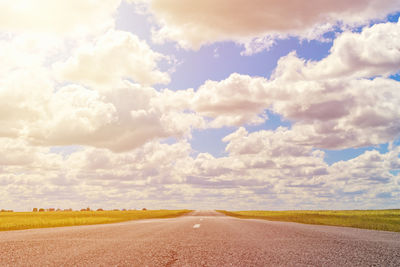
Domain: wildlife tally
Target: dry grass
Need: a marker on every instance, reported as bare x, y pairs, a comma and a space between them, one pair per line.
27, 220
386, 220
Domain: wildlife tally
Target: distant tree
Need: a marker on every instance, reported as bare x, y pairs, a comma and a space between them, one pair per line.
123, 209
51, 209
99, 209
3, 210
115, 209
41, 210
58, 210
35, 210
144, 209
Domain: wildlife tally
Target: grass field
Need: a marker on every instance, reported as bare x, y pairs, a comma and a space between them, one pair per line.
386, 220
27, 220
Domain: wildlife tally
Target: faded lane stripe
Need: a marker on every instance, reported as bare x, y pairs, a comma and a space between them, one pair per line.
197, 225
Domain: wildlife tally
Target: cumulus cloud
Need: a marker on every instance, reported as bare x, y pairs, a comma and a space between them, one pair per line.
119, 116
331, 107
340, 114
16, 152
107, 112
335, 107
373, 52
261, 163
351, 103
63, 17
331, 113
208, 21
269, 166
23, 91
369, 175
345, 99
235, 101
115, 56
120, 119
150, 164
35, 176
98, 97
264, 169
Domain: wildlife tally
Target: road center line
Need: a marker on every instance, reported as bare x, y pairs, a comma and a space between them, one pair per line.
197, 225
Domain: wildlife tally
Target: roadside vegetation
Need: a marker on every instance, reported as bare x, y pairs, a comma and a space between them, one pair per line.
27, 220
386, 220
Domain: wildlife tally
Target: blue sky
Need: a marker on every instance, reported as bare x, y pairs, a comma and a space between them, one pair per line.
216, 105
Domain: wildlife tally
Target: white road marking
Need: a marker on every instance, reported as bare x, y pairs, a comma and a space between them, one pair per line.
201, 219
197, 225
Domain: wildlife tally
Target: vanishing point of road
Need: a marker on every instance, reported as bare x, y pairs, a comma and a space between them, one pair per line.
202, 238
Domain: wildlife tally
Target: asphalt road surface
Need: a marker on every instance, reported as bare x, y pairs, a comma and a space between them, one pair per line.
203, 238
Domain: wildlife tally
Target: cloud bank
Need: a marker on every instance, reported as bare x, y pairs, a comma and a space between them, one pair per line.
81, 120
344, 100
205, 22
63, 17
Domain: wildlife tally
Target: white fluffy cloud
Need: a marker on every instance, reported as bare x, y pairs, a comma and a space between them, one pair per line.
98, 106
152, 163
202, 22
119, 119
351, 103
346, 99
91, 97
115, 56
270, 170
63, 17
264, 169
118, 116
331, 113
23, 91
36, 177
373, 52
332, 107
340, 114
368, 176
234, 101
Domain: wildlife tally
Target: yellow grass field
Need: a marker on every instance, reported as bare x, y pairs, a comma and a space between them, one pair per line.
27, 220
386, 220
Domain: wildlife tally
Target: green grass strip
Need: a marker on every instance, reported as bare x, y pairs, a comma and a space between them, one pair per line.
386, 220
28, 220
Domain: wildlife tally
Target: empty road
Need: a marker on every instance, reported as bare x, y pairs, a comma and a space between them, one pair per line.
203, 238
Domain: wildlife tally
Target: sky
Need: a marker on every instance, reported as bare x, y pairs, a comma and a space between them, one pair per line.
228, 104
